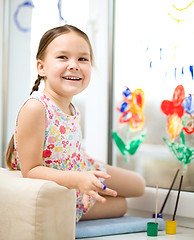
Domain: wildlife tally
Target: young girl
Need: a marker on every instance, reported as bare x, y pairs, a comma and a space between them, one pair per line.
47, 140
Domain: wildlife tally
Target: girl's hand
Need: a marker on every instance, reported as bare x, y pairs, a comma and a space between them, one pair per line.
90, 185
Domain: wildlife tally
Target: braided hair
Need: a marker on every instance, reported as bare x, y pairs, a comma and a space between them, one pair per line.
36, 84
46, 39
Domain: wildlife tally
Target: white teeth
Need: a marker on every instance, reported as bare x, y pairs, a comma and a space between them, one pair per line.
72, 78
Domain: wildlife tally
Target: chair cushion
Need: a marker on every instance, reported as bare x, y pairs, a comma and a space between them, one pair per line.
111, 226
35, 209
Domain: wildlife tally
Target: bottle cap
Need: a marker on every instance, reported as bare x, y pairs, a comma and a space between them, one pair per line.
152, 229
171, 227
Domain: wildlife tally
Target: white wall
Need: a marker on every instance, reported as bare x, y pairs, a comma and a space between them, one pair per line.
1, 71
19, 64
96, 105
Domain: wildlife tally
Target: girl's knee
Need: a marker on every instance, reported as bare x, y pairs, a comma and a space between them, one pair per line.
122, 206
141, 186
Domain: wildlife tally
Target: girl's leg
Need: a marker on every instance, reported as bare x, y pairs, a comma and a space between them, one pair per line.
126, 183
113, 207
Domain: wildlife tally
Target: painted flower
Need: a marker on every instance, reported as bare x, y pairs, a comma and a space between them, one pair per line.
188, 117
188, 123
188, 104
132, 108
174, 111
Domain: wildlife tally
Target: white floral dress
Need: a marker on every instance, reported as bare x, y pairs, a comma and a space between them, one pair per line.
62, 146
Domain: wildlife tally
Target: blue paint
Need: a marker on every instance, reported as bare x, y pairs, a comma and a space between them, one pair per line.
127, 92
182, 70
188, 104
151, 64
24, 4
60, 15
123, 106
191, 70
175, 72
160, 53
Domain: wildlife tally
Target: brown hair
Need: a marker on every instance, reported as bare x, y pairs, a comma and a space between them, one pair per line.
46, 39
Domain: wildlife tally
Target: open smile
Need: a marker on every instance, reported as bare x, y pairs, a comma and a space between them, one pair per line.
72, 78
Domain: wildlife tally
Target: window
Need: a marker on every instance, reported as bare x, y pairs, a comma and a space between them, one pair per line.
154, 51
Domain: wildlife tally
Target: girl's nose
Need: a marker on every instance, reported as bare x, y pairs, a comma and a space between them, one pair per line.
73, 65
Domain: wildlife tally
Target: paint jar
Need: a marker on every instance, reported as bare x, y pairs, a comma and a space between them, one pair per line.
159, 215
171, 227
152, 229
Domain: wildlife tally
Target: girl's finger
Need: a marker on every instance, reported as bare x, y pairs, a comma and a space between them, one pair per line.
109, 192
96, 196
101, 174
85, 200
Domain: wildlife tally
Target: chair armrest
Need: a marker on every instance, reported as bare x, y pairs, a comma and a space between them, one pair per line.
35, 209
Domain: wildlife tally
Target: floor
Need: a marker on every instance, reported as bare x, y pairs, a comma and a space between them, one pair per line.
182, 234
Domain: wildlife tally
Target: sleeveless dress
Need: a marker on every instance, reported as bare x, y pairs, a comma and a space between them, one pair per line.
62, 146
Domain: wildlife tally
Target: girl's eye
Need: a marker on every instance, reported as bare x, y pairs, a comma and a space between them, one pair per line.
83, 59
62, 57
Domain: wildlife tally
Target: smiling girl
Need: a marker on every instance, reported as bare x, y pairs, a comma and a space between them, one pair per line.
47, 139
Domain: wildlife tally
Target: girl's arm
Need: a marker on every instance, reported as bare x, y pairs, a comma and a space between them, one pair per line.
30, 141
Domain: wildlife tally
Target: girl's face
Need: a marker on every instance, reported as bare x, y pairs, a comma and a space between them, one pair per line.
66, 66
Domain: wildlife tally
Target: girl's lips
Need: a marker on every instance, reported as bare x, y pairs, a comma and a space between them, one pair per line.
72, 78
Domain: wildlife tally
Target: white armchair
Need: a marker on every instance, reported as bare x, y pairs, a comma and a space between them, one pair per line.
33, 209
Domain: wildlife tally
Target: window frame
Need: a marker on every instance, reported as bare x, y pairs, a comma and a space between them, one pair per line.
145, 205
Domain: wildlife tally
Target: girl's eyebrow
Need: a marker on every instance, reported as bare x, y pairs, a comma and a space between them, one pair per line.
79, 53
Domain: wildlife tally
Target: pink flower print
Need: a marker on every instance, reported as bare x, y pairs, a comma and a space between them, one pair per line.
73, 155
48, 162
50, 146
45, 97
46, 153
57, 122
13, 165
74, 129
74, 162
78, 157
70, 167
62, 129
57, 161
51, 116
64, 144
52, 139
92, 161
47, 123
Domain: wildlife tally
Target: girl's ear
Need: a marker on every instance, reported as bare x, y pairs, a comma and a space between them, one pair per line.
40, 68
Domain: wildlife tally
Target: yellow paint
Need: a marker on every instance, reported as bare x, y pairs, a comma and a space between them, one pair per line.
181, 9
